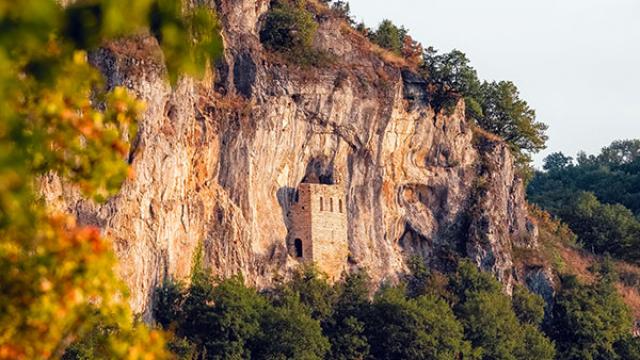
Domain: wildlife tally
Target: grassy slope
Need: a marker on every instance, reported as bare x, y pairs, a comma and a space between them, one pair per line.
559, 250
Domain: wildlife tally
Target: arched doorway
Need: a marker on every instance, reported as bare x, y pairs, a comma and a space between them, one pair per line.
298, 247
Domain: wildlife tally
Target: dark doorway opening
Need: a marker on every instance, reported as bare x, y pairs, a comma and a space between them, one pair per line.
298, 245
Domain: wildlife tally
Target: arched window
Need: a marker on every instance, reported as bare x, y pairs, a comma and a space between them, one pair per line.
321, 204
298, 245
331, 204
340, 204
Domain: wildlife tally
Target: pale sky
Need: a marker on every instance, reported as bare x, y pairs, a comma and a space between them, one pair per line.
577, 62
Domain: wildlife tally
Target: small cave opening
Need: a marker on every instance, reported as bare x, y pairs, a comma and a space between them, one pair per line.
413, 242
319, 171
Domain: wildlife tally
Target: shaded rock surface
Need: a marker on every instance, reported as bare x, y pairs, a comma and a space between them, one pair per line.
218, 161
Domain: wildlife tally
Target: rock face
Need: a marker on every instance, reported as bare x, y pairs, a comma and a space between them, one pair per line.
218, 162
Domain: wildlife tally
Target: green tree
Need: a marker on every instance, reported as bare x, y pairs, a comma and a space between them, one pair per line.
490, 322
424, 281
182, 348
346, 327
505, 114
168, 302
628, 348
314, 291
349, 341
588, 320
490, 325
467, 280
342, 9
613, 176
557, 161
289, 332
609, 229
58, 283
495, 106
528, 307
389, 36
289, 29
198, 317
535, 345
221, 319
451, 77
237, 315
218, 321
421, 328
620, 153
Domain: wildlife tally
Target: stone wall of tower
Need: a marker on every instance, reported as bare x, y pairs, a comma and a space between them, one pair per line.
300, 217
319, 220
329, 229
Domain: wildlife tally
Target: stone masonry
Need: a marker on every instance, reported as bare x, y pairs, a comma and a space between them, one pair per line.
318, 231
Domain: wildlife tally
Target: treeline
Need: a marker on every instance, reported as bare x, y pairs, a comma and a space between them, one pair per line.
290, 27
598, 196
428, 315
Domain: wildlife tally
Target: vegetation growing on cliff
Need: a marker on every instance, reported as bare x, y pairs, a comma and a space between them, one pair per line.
289, 29
495, 106
57, 284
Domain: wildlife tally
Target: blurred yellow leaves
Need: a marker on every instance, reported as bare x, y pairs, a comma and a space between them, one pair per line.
57, 284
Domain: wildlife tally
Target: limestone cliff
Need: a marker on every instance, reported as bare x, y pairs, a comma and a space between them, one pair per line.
218, 161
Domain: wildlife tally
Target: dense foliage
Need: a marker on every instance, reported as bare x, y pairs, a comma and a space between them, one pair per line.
468, 317
57, 284
429, 315
289, 29
597, 196
613, 176
592, 322
389, 36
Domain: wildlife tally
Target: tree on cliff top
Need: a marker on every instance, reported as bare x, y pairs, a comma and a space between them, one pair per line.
289, 29
57, 278
494, 106
389, 36
505, 114
395, 39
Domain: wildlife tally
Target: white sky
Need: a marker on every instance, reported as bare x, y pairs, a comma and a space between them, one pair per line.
577, 62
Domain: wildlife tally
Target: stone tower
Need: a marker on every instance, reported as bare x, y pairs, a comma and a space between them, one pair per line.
318, 231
